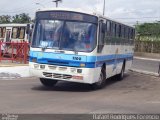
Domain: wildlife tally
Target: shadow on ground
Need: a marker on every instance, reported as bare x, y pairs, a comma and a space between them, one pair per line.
75, 87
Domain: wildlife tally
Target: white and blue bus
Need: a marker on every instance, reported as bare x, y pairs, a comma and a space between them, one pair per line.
75, 46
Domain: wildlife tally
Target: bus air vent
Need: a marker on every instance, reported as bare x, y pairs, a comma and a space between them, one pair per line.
49, 75
57, 76
52, 67
58, 62
62, 68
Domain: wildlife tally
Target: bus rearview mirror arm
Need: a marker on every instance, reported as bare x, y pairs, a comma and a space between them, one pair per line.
28, 29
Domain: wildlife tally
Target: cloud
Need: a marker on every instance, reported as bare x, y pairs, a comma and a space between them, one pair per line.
114, 8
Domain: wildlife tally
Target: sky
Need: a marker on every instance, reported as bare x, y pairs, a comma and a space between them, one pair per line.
127, 11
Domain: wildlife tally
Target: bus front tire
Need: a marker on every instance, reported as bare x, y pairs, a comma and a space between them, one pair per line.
102, 80
121, 75
48, 82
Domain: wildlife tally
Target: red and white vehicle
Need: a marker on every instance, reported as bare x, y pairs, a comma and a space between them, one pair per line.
15, 32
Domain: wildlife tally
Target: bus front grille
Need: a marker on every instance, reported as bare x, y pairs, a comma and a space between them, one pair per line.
67, 76
49, 75
57, 76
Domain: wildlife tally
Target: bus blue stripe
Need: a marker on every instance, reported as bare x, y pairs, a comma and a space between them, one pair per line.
67, 60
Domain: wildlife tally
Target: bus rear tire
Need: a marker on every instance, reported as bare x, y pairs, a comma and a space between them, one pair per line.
121, 75
48, 82
102, 80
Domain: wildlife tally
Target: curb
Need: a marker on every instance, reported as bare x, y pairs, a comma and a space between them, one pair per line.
145, 72
11, 65
14, 72
15, 78
150, 59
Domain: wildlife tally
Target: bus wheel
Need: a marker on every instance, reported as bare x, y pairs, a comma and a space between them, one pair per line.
102, 80
121, 75
48, 82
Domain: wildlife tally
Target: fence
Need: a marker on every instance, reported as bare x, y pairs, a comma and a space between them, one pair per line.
147, 46
14, 51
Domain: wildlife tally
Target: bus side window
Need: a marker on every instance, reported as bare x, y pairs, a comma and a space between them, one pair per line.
117, 30
108, 28
15, 32
21, 32
126, 35
133, 33
102, 30
124, 31
120, 31
1, 32
129, 33
123, 34
108, 32
4, 32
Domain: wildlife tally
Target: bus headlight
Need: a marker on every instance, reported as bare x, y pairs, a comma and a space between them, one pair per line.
79, 70
36, 66
34, 60
82, 65
42, 66
73, 70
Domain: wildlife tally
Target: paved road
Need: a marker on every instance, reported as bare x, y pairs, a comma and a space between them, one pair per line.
146, 65
137, 93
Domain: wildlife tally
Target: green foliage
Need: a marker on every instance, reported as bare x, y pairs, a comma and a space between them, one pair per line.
19, 18
5, 19
149, 29
148, 32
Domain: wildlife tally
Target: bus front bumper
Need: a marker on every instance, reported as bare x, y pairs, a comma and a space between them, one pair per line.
64, 73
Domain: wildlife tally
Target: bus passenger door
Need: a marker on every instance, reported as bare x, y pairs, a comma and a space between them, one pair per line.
102, 28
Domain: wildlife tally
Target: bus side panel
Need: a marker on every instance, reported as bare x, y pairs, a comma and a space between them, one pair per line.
108, 57
115, 55
125, 52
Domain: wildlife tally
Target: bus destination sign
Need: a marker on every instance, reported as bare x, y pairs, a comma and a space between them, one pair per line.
66, 15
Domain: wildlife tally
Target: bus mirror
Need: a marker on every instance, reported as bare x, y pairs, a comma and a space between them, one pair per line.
103, 27
100, 48
32, 26
28, 29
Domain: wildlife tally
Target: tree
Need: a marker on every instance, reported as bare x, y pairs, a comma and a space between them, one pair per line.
21, 18
5, 19
148, 29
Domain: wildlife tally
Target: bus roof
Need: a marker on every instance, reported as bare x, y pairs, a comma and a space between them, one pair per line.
67, 9
84, 12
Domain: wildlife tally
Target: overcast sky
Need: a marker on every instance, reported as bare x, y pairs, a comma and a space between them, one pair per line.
128, 11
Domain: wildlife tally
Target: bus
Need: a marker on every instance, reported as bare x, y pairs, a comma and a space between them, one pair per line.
14, 32
75, 46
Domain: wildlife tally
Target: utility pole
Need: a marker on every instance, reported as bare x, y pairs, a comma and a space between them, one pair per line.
159, 69
56, 1
40, 5
104, 7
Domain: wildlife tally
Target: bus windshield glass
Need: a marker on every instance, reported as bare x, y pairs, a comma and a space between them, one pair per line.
72, 35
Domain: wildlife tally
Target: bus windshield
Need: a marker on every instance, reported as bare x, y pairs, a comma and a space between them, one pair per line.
65, 35
64, 30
